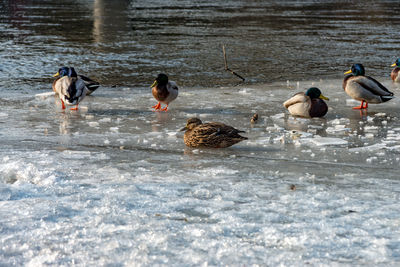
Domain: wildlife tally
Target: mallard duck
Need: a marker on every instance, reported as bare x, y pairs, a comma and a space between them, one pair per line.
89, 83
364, 88
211, 135
164, 91
309, 104
395, 72
69, 87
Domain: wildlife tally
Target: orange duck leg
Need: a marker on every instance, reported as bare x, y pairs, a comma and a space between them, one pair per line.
362, 106
157, 107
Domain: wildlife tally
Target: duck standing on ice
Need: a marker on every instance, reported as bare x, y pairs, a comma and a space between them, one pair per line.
364, 88
164, 91
69, 87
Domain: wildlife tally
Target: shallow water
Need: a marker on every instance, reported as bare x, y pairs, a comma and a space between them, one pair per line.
114, 184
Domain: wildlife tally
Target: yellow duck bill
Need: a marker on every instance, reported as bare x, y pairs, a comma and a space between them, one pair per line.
323, 97
348, 72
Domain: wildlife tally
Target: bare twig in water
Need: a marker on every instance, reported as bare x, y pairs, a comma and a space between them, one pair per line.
226, 65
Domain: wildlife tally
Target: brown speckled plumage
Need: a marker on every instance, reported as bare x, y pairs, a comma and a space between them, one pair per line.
212, 134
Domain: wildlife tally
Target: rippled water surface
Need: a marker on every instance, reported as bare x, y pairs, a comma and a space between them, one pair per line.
113, 183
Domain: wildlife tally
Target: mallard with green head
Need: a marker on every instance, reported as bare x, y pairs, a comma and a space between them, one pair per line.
90, 84
210, 135
364, 88
395, 72
71, 89
309, 104
164, 91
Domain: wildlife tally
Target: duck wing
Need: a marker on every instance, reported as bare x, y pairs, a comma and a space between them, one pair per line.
372, 85
297, 98
75, 90
90, 84
217, 129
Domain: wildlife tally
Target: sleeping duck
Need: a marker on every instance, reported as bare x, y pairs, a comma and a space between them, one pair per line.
395, 72
164, 91
69, 87
89, 83
211, 135
364, 88
309, 104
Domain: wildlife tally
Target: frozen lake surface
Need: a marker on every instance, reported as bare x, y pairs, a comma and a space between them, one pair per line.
113, 183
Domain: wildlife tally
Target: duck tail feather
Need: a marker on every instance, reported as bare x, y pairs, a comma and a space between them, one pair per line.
386, 97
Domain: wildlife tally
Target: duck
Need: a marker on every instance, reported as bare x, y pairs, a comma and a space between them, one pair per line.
164, 91
69, 87
395, 72
309, 104
364, 88
90, 84
210, 135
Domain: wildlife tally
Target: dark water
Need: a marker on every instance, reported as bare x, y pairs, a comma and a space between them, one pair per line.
128, 42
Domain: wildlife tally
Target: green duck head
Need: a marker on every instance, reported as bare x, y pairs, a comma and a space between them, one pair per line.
397, 63
65, 71
356, 70
162, 79
314, 92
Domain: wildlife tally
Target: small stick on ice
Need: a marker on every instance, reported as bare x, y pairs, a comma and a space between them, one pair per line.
226, 65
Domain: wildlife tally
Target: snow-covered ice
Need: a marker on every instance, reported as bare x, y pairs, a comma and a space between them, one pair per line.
111, 184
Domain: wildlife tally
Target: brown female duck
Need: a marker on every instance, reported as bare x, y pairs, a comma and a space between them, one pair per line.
211, 135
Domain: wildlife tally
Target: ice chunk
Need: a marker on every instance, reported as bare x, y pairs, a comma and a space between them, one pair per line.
114, 129
43, 96
338, 128
278, 116
352, 102
339, 121
328, 141
245, 91
105, 120
371, 159
374, 147
93, 123
298, 134
371, 128
369, 135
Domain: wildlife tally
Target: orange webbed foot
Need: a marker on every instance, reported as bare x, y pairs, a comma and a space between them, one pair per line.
362, 106
75, 108
157, 107
165, 109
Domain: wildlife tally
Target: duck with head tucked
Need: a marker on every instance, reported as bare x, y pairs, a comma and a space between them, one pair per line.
164, 91
69, 87
395, 72
309, 104
364, 88
210, 135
